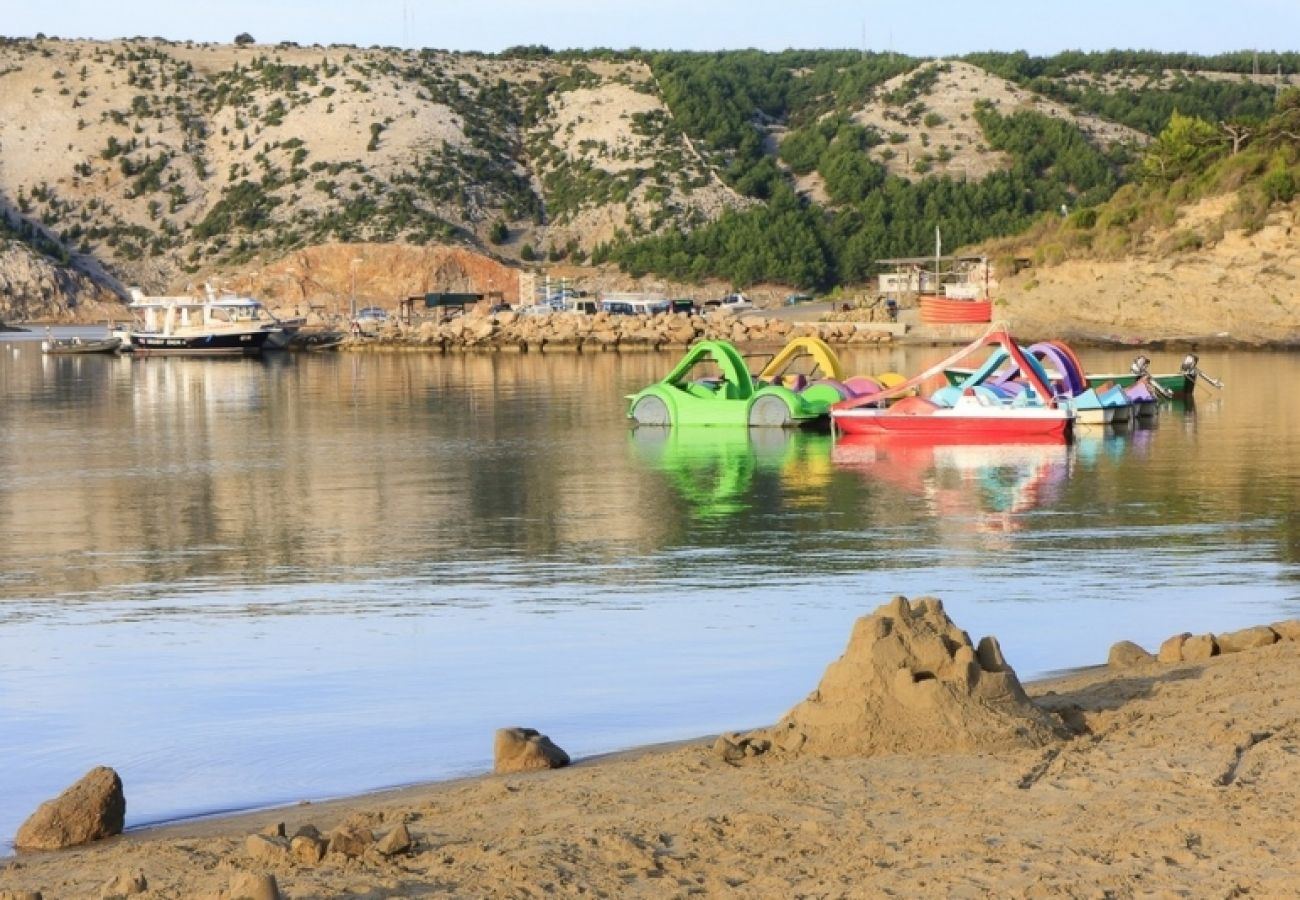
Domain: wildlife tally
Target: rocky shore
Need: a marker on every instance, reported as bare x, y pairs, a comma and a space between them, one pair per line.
919, 766
560, 332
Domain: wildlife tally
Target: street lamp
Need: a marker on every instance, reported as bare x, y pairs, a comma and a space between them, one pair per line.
353, 268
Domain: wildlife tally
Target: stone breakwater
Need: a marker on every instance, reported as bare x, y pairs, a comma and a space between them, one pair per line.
602, 332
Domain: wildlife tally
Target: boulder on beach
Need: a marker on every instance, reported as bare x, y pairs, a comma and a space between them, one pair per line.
910, 680
1171, 651
92, 809
1126, 655
1246, 639
1200, 647
525, 750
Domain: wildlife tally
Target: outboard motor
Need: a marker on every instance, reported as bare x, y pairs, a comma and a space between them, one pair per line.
1191, 368
1140, 365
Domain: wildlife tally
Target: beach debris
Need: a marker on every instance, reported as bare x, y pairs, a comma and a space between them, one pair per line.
1246, 639
253, 886
911, 680
92, 809
265, 849
1126, 655
275, 829
350, 840
308, 849
125, 884
525, 750
396, 841
21, 895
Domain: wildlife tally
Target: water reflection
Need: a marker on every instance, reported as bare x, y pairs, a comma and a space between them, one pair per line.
406, 544
990, 486
714, 469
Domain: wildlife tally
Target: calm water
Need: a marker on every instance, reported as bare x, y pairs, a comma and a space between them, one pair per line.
253, 582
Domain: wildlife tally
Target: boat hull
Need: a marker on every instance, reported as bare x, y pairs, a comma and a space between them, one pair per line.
76, 346
960, 426
243, 343
1177, 384
1094, 415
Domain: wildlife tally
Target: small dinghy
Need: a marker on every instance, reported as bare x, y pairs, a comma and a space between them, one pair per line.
67, 346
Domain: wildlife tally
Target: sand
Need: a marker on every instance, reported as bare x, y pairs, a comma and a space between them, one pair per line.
1180, 780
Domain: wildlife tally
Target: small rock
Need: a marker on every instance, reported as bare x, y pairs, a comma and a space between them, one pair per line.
1201, 647
309, 831
526, 750
276, 830
1288, 630
396, 841
91, 809
1246, 639
350, 840
1126, 655
127, 884
251, 886
306, 849
1171, 651
727, 749
989, 653
266, 849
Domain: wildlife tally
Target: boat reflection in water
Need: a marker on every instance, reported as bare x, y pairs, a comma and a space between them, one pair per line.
992, 486
715, 469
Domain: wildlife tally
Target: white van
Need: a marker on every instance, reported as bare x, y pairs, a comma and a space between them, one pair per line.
629, 304
581, 305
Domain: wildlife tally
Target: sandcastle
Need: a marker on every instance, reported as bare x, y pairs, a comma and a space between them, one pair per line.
909, 680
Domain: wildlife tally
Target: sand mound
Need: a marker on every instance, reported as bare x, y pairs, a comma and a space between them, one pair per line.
910, 680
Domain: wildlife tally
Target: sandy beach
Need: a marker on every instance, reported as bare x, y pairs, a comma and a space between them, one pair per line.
1162, 780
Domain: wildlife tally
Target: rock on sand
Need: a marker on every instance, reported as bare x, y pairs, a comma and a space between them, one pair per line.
526, 750
91, 809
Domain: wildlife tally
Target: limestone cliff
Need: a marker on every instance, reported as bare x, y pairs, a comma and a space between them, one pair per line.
33, 287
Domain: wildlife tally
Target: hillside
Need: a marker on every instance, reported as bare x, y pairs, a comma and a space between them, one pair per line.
162, 164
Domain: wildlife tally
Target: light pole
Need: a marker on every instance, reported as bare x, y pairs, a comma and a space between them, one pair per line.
353, 269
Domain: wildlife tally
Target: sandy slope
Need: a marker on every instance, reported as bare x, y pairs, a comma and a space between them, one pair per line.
1239, 289
1183, 784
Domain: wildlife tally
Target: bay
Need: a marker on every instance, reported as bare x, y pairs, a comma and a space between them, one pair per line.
250, 582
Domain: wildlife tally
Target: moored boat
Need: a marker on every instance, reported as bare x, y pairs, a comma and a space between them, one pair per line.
975, 413
76, 345
209, 326
974, 418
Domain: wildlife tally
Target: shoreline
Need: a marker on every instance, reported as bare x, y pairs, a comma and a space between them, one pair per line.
1178, 773
857, 335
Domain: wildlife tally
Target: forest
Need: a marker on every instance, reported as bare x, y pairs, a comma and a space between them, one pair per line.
718, 98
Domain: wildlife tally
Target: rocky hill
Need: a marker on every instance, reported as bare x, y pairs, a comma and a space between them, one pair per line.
162, 164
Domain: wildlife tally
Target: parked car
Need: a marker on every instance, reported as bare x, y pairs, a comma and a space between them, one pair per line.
735, 302
582, 305
372, 313
684, 305
537, 309
796, 299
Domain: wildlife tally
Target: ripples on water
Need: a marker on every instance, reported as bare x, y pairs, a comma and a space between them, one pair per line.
245, 582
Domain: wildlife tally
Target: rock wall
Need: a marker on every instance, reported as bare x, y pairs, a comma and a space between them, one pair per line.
577, 331
34, 288
328, 277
